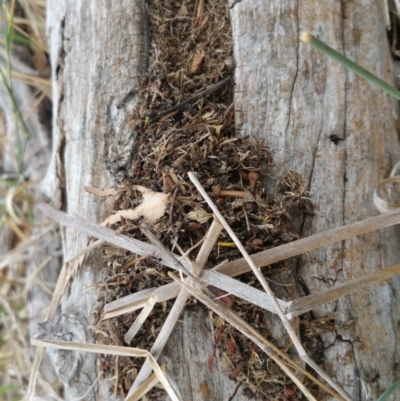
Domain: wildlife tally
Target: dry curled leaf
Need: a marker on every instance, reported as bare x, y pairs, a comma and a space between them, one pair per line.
150, 210
196, 63
199, 215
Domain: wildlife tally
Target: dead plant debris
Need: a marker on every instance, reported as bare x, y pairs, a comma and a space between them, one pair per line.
185, 122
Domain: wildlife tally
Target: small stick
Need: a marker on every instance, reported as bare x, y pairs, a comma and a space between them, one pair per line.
115, 337
264, 283
197, 96
229, 192
171, 208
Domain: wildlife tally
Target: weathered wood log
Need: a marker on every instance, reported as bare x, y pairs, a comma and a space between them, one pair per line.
339, 133
331, 127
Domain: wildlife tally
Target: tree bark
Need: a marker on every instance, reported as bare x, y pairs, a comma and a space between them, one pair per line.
331, 127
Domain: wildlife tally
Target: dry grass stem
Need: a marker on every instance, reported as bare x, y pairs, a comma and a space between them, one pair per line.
111, 350
278, 356
57, 294
160, 341
106, 234
31, 277
238, 266
211, 238
296, 342
231, 286
21, 251
305, 304
159, 344
137, 300
37, 360
145, 387
168, 256
295, 248
138, 323
84, 251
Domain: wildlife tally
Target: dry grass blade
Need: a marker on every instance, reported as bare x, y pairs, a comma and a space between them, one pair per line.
145, 387
278, 356
292, 308
238, 266
136, 301
111, 350
161, 340
299, 347
106, 234
30, 393
234, 287
84, 251
295, 248
143, 315
167, 255
305, 304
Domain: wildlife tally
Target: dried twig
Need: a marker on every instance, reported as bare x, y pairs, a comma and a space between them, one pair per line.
192, 99
171, 208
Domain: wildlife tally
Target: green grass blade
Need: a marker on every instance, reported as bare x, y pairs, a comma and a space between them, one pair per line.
19, 38
21, 143
328, 51
389, 391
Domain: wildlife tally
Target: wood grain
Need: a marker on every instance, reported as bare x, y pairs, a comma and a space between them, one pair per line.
297, 100
98, 53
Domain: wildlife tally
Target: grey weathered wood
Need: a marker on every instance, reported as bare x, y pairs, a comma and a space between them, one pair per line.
286, 93
296, 99
98, 53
